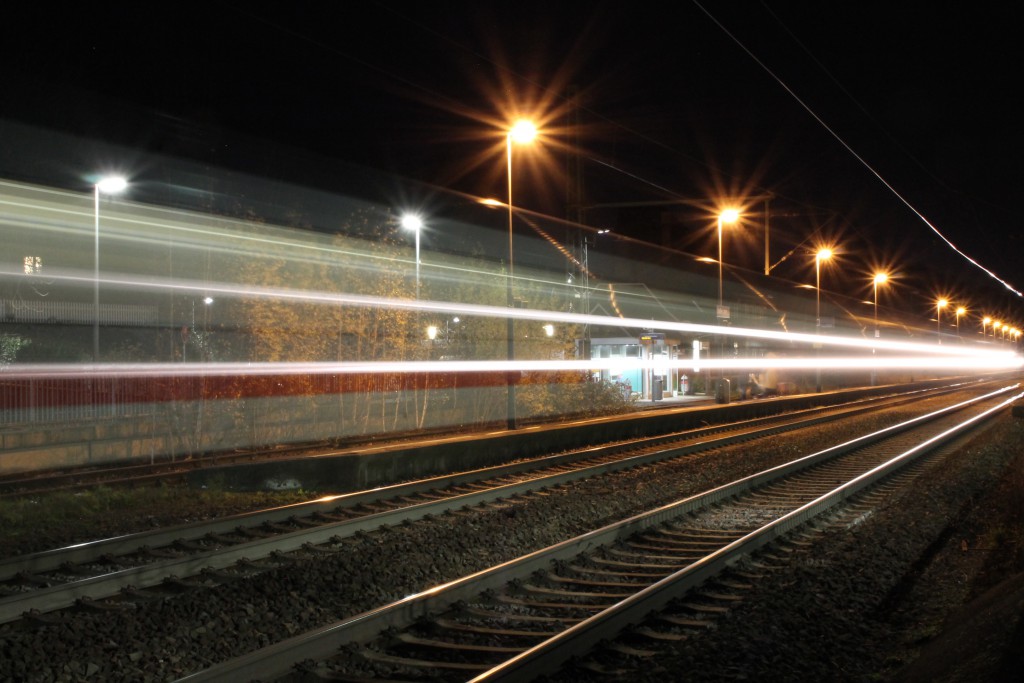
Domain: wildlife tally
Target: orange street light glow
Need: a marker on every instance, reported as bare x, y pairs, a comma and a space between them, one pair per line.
730, 216
522, 131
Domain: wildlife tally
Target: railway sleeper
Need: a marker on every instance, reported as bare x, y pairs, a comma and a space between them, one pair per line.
668, 568
221, 539
602, 670
652, 634
678, 552
494, 615
188, 546
27, 578
158, 553
75, 569
220, 575
701, 608
685, 622
652, 576
452, 625
533, 588
675, 559
431, 643
675, 542
555, 578
723, 535
542, 605
724, 597
393, 660
140, 595
177, 585
630, 651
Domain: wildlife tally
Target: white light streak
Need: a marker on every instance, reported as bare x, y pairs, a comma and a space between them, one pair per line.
916, 362
202, 289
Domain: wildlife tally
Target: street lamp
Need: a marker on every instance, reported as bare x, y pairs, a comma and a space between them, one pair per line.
522, 132
821, 255
106, 185
411, 221
879, 279
984, 323
960, 310
939, 305
729, 216
995, 326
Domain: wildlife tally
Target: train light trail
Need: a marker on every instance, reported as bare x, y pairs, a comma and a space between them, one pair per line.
231, 290
1006, 362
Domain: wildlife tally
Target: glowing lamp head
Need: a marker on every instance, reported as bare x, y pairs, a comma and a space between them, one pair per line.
881, 278
823, 254
111, 184
986, 320
942, 303
960, 310
729, 216
549, 330
411, 221
432, 332
522, 132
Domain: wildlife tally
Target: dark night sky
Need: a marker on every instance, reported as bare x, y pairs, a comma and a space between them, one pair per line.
921, 91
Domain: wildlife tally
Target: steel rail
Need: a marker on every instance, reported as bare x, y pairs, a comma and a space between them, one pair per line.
50, 560
66, 594
280, 658
547, 657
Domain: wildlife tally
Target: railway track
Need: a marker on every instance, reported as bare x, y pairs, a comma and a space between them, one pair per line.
680, 563
120, 572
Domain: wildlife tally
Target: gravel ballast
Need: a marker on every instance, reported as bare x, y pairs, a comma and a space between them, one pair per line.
171, 637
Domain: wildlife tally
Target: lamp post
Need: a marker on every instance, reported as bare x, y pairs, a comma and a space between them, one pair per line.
879, 279
960, 310
522, 132
107, 185
821, 255
413, 222
939, 305
727, 216
984, 323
